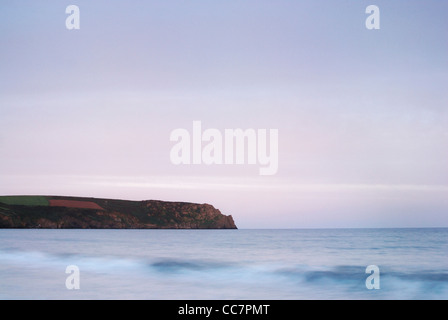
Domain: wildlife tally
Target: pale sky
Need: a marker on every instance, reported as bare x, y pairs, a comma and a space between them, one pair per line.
362, 114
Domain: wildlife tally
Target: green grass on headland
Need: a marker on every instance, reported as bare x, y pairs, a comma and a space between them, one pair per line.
24, 200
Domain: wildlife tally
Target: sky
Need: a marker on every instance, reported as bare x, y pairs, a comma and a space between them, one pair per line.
361, 114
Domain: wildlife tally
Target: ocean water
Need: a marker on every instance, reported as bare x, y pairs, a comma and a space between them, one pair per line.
224, 264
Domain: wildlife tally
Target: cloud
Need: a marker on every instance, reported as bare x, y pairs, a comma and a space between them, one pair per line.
224, 183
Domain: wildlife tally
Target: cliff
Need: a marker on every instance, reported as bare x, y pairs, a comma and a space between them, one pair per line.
91, 213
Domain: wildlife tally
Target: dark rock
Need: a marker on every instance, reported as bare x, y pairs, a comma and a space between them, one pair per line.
93, 213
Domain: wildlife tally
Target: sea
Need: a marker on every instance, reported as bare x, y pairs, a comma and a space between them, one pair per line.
284, 264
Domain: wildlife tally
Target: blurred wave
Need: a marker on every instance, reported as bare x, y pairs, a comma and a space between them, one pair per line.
261, 270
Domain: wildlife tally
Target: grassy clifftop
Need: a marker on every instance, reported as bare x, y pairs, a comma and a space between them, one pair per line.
93, 213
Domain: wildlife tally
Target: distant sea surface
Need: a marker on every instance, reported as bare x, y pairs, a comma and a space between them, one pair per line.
224, 264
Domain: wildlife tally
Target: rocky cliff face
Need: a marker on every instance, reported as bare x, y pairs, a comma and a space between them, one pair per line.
92, 213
